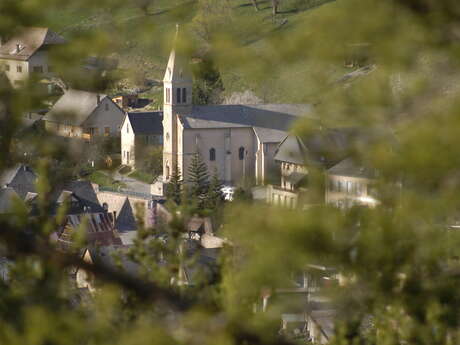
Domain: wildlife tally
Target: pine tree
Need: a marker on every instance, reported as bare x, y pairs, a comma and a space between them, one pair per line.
174, 187
198, 181
215, 195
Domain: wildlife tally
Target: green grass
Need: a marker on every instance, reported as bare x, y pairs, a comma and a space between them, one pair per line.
144, 42
142, 176
104, 180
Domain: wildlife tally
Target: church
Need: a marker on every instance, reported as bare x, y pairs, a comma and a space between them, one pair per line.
237, 141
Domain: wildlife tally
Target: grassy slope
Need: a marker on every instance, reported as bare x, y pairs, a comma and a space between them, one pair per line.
143, 42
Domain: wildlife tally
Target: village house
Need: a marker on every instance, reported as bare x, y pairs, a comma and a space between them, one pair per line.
27, 53
140, 131
301, 160
349, 184
18, 181
239, 141
85, 115
323, 159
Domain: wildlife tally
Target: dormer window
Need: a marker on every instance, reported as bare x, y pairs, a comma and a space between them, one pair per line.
19, 47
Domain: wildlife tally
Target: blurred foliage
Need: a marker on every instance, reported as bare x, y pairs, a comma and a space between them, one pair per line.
400, 259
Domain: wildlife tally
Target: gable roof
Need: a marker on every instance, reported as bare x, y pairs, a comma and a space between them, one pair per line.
125, 220
147, 123
74, 107
270, 121
29, 40
349, 167
322, 147
81, 197
98, 230
21, 178
84, 192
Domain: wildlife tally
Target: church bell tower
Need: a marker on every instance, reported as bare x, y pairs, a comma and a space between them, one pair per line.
177, 86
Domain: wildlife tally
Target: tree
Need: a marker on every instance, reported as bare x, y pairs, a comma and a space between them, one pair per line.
214, 197
174, 187
207, 85
398, 262
198, 180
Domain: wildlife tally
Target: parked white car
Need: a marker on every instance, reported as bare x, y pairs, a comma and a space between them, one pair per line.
228, 192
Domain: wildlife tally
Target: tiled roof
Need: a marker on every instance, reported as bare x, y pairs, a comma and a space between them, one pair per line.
270, 121
147, 123
349, 167
29, 40
99, 230
126, 222
74, 107
21, 178
322, 147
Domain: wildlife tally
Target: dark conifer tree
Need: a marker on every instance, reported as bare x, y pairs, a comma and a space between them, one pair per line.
174, 187
215, 196
198, 181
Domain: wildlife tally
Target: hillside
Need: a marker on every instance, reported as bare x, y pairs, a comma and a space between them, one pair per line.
141, 41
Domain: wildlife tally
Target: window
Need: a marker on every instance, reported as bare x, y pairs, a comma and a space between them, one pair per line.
212, 154
127, 128
19, 69
349, 186
106, 131
178, 95
38, 69
241, 153
184, 95
7, 67
127, 156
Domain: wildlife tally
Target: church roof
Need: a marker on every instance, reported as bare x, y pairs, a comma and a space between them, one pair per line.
23, 45
270, 121
147, 123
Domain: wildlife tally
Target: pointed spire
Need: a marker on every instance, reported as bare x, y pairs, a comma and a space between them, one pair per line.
178, 67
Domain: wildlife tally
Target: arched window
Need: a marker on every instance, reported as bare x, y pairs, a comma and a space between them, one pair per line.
241, 153
212, 154
184, 95
178, 95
